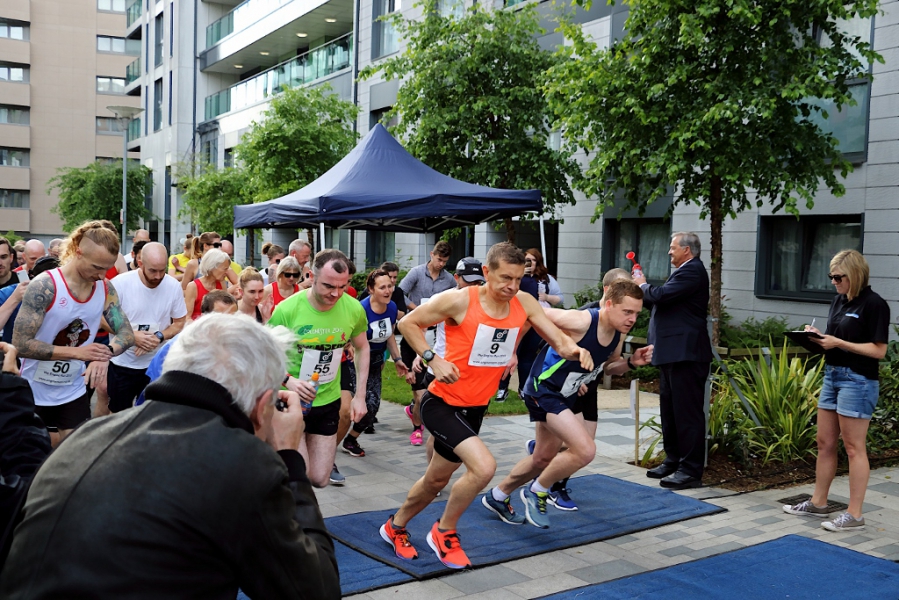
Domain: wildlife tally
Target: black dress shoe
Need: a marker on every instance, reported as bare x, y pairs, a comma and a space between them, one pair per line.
663, 470
680, 481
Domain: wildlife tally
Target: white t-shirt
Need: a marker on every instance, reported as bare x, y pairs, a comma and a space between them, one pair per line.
147, 309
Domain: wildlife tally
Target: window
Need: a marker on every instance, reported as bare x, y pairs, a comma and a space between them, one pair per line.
118, 45
450, 8
109, 125
170, 97
379, 246
648, 238
15, 199
111, 85
159, 37
209, 149
377, 116
14, 30
794, 254
111, 5
13, 72
171, 29
229, 157
384, 35
157, 105
13, 115
14, 157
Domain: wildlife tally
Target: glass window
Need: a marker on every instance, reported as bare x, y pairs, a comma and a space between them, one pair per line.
159, 38
13, 72
118, 45
170, 97
229, 157
14, 157
14, 199
111, 85
385, 34
647, 238
794, 254
111, 5
379, 246
13, 115
14, 30
849, 125
450, 8
157, 105
109, 125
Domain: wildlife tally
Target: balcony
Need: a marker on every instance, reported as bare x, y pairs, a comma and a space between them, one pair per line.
133, 129
132, 72
133, 12
241, 17
302, 70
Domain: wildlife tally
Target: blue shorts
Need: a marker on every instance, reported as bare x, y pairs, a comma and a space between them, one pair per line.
539, 407
848, 393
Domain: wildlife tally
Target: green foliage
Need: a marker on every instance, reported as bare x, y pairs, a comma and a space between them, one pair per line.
883, 432
471, 106
304, 132
753, 333
11, 237
210, 198
649, 457
95, 192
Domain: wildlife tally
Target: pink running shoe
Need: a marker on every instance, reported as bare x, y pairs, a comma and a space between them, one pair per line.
415, 438
408, 411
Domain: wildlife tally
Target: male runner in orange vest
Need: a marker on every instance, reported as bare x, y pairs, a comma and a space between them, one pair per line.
482, 325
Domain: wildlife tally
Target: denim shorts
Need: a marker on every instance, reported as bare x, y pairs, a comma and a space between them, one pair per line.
848, 393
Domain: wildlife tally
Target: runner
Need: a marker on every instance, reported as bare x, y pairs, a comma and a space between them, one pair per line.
285, 284
141, 235
34, 249
177, 262
274, 253
252, 293
381, 314
201, 245
154, 305
324, 319
7, 256
134, 263
419, 285
550, 391
55, 329
302, 251
213, 265
228, 248
482, 325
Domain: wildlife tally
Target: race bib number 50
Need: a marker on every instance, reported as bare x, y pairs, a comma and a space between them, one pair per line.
493, 346
324, 362
57, 372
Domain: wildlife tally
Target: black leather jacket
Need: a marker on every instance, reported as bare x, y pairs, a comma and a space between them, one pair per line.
173, 499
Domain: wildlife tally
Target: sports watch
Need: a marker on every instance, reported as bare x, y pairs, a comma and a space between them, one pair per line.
159, 336
428, 355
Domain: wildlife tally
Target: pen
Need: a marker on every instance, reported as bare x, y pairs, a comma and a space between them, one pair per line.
813, 323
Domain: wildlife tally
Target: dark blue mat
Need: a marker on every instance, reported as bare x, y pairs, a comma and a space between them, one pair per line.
791, 567
359, 573
608, 508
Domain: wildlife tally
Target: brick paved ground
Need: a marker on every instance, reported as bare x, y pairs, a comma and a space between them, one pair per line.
381, 479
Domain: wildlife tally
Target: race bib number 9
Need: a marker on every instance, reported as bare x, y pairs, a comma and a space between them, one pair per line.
493, 347
575, 380
324, 362
381, 330
57, 372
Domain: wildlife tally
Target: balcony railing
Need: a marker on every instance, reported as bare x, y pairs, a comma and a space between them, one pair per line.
242, 16
134, 11
134, 129
301, 70
132, 71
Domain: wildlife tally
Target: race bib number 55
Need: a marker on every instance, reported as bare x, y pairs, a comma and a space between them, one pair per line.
493, 346
324, 362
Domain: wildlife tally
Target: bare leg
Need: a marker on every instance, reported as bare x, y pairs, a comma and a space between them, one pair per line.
854, 433
581, 448
545, 450
318, 451
416, 408
480, 466
826, 465
425, 489
343, 426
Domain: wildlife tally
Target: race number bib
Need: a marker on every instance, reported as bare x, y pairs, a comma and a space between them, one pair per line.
57, 372
324, 362
431, 336
575, 380
493, 347
381, 330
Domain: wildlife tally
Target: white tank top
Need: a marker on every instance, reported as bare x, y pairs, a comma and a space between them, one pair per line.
67, 322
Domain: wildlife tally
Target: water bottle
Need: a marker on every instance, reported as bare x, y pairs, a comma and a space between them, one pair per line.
306, 406
637, 271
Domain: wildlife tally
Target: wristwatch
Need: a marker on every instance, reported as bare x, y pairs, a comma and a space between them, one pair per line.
630, 365
428, 355
159, 336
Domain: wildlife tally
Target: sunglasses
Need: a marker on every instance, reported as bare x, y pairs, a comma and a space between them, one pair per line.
293, 275
216, 244
835, 278
277, 261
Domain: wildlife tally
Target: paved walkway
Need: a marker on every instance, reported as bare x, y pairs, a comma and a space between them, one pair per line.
381, 479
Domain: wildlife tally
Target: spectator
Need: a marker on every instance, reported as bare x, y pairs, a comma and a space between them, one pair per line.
55, 247
548, 291
7, 256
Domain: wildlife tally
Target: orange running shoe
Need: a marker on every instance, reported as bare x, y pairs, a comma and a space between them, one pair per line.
398, 538
446, 545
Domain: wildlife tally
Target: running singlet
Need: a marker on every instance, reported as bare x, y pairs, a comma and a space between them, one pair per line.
201, 291
321, 337
380, 326
552, 375
276, 293
481, 347
68, 322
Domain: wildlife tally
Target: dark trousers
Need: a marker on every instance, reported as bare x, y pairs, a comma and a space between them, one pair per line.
124, 385
682, 395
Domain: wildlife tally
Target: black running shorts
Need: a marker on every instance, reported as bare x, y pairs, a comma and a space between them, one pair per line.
65, 416
586, 404
450, 425
323, 420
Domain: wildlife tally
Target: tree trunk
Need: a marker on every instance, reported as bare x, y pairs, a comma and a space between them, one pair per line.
716, 215
251, 247
310, 237
510, 230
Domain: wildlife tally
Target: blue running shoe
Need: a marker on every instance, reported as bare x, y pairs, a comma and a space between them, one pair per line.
561, 500
529, 446
535, 507
503, 509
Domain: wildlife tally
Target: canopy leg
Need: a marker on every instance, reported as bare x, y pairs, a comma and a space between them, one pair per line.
543, 241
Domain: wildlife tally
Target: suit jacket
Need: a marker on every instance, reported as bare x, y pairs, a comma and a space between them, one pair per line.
678, 328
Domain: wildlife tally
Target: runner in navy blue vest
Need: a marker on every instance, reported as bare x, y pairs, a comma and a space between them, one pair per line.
550, 392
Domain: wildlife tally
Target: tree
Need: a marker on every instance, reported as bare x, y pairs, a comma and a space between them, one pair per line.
209, 198
713, 99
470, 105
95, 192
305, 132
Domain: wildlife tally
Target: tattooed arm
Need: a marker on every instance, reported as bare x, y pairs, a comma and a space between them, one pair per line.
118, 322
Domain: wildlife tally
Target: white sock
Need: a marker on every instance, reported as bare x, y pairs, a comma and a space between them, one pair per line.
498, 495
537, 488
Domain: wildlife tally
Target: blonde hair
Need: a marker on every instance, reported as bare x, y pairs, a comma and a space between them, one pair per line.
285, 263
855, 267
247, 275
95, 231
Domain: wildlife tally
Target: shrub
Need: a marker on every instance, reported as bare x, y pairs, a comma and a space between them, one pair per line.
883, 432
753, 333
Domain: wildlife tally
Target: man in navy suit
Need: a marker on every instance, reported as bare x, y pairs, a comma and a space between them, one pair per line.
683, 353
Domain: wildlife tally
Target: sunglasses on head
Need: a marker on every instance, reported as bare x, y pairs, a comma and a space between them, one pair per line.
216, 244
835, 278
293, 275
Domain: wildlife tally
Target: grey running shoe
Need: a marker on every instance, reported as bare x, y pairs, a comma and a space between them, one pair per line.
845, 522
808, 509
535, 507
503, 509
336, 477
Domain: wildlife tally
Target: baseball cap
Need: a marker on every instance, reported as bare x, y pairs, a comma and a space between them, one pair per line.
470, 270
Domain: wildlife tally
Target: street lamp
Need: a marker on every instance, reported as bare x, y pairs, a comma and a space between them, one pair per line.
124, 114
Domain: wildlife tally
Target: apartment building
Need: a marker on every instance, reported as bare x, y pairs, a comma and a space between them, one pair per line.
61, 65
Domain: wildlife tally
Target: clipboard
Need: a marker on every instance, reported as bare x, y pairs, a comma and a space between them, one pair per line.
803, 338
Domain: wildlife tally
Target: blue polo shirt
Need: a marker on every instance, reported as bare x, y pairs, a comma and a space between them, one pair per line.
5, 293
